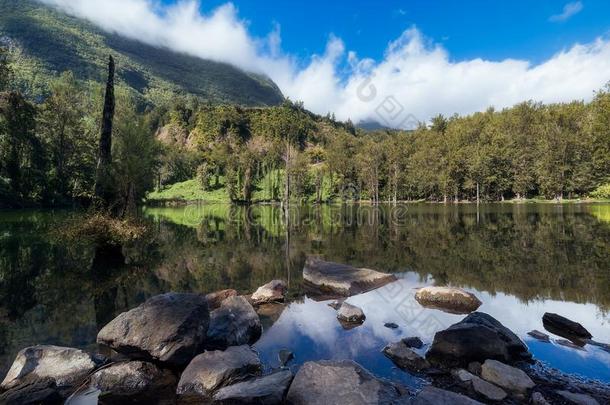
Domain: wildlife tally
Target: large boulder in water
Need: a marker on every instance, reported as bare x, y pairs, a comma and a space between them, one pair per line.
212, 370
339, 382
235, 323
273, 291
329, 279
133, 382
268, 390
42, 374
477, 337
448, 299
169, 328
565, 327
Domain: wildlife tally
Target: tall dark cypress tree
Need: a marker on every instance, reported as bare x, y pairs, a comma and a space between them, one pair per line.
103, 184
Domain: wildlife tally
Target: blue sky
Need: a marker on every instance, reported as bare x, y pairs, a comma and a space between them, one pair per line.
467, 29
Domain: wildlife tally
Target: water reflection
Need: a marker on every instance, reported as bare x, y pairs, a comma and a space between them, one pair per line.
521, 260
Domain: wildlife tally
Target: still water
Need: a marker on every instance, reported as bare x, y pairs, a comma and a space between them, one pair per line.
521, 260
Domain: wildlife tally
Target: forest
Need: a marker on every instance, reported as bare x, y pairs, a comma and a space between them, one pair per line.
49, 146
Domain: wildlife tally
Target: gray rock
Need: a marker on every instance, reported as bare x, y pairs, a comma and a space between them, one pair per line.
570, 344
335, 304
449, 299
334, 279
217, 297
133, 381
391, 325
340, 382
476, 338
436, 396
36, 393
235, 323
413, 342
212, 370
564, 327
285, 356
169, 328
539, 399
579, 399
273, 291
405, 358
536, 334
268, 390
482, 387
505, 376
350, 313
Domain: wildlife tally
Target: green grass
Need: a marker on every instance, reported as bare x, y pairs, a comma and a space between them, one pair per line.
188, 191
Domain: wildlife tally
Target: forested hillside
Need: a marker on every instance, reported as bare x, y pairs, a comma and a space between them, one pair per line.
44, 43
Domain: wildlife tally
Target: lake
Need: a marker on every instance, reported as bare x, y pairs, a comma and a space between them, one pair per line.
521, 260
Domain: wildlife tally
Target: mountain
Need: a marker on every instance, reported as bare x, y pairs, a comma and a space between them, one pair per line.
45, 42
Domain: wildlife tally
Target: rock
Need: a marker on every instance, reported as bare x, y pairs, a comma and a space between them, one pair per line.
474, 367
212, 370
285, 356
391, 325
476, 338
215, 298
40, 372
269, 313
268, 390
536, 334
505, 376
564, 327
405, 358
133, 381
339, 382
40, 392
579, 399
335, 304
482, 387
235, 323
449, 299
539, 399
603, 346
327, 278
350, 313
413, 342
169, 328
273, 291
436, 396
570, 344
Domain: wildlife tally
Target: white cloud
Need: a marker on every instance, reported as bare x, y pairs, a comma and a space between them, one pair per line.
569, 10
415, 77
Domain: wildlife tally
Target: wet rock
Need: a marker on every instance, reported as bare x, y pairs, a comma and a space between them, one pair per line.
579, 399
273, 291
133, 382
334, 279
413, 342
45, 373
212, 370
350, 313
339, 382
268, 390
480, 386
405, 358
505, 376
449, 299
169, 328
564, 327
539, 399
285, 356
476, 338
570, 344
391, 325
436, 396
235, 323
536, 334
335, 304
215, 298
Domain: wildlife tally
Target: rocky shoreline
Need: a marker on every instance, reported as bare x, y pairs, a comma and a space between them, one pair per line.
179, 348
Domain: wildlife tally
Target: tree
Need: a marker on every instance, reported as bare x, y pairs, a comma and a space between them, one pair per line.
5, 70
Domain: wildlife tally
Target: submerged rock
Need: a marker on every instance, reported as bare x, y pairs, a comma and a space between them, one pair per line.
579, 399
570, 344
133, 382
217, 297
235, 323
285, 357
269, 313
536, 334
476, 338
350, 313
339, 382
564, 327
334, 279
273, 291
268, 390
449, 299
391, 325
436, 396
405, 358
212, 370
45, 373
507, 377
169, 328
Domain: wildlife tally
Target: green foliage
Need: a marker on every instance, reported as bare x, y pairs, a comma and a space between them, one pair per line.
189, 190
602, 192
